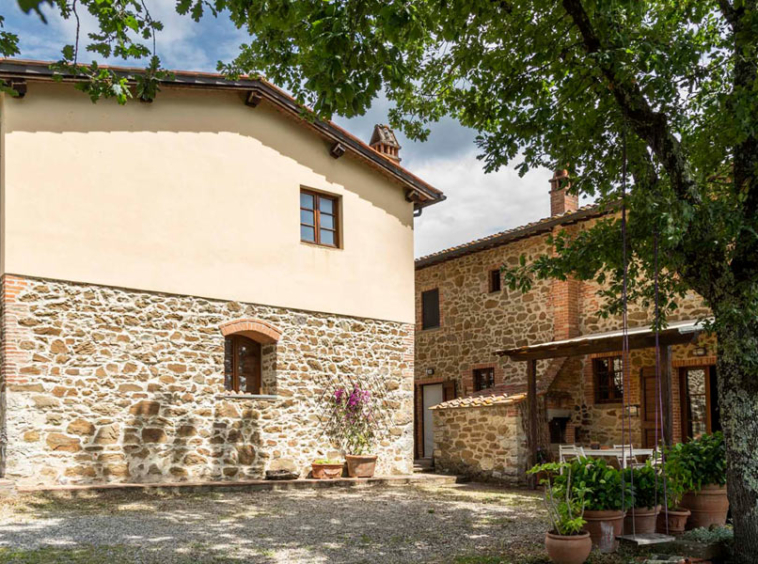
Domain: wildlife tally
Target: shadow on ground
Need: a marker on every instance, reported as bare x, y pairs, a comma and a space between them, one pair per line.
371, 524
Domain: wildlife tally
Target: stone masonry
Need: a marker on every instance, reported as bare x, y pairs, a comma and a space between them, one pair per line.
104, 385
476, 322
486, 443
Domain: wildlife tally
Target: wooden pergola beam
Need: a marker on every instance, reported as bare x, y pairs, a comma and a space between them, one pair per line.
594, 346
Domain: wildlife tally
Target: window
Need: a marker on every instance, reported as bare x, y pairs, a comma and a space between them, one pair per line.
609, 379
430, 309
242, 365
484, 378
495, 280
318, 219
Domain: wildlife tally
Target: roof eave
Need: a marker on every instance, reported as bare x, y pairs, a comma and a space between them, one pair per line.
537, 228
425, 194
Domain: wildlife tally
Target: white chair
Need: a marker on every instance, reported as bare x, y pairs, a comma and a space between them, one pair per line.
570, 452
627, 456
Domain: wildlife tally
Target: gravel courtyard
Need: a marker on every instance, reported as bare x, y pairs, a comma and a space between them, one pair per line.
463, 523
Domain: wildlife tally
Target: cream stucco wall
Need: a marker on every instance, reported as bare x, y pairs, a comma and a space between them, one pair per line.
196, 194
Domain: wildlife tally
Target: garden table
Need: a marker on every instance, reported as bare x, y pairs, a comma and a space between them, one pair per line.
618, 453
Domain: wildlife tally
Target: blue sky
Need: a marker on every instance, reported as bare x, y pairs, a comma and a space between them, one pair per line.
478, 204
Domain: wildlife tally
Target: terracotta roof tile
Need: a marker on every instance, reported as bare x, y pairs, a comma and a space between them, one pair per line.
510, 235
481, 401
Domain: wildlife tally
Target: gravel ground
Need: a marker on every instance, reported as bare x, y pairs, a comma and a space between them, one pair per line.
445, 524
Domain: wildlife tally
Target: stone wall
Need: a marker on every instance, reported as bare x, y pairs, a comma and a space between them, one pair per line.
475, 322
111, 385
482, 443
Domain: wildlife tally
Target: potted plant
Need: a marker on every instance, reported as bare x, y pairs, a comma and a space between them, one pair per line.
566, 542
326, 469
604, 501
646, 485
700, 464
673, 519
354, 416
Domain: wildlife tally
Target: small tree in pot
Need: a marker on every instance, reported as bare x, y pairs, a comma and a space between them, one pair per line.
700, 466
566, 542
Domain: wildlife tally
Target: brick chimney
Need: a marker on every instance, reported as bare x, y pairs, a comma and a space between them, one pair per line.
560, 200
383, 141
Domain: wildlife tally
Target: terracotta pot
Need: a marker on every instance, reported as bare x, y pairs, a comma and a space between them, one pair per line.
326, 471
574, 549
360, 466
641, 520
677, 519
709, 506
604, 527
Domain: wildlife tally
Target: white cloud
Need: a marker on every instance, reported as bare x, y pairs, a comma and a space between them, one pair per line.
477, 204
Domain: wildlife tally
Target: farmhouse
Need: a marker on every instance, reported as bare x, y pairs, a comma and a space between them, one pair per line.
479, 346
184, 280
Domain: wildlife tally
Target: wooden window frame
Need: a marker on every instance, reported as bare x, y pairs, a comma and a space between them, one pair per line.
232, 379
478, 372
317, 197
613, 398
495, 281
424, 326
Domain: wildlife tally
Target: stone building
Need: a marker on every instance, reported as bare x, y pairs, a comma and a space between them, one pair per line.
471, 403
184, 282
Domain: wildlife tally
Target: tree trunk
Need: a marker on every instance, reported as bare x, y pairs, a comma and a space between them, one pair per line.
738, 399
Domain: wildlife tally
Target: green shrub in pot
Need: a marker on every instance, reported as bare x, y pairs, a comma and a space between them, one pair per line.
602, 482
697, 463
646, 484
700, 467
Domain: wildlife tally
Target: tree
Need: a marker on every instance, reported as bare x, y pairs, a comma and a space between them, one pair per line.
558, 84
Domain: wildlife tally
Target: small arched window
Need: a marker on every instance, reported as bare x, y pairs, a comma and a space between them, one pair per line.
242, 365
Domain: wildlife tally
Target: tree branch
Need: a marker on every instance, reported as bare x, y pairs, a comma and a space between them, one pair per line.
649, 125
729, 13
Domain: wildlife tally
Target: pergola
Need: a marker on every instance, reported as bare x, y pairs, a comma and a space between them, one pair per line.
676, 333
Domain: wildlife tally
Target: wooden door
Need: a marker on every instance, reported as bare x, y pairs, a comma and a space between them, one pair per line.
649, 404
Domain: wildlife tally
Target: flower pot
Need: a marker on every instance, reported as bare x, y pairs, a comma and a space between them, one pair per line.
641, 520
603, 528
677, 519
709, 506
574, 549
326, 471
360, 466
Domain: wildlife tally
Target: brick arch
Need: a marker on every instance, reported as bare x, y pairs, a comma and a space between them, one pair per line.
255, 329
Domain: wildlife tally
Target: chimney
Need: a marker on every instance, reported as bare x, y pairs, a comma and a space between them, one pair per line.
560, 200
383, 141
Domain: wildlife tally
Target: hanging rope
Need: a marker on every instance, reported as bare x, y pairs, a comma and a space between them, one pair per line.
626, 429
659, 440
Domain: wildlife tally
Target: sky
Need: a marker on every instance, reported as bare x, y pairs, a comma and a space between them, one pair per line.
477, 204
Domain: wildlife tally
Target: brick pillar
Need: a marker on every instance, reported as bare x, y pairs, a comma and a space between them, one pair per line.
566, 300
560, 200
566, 293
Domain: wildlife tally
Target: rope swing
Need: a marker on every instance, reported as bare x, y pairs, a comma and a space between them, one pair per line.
626, 422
